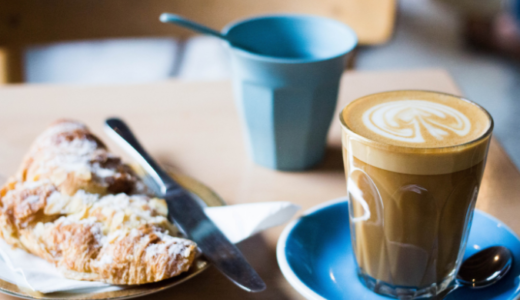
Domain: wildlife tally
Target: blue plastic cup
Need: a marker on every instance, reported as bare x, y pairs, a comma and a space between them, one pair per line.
287, 95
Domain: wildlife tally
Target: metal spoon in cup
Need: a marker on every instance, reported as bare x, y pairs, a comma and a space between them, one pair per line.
181, 21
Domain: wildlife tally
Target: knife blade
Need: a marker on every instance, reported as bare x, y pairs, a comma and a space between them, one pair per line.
188, 215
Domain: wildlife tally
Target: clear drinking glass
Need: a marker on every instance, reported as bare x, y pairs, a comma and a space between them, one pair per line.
411, 208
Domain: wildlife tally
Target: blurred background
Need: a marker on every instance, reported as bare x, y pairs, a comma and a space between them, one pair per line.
121, 41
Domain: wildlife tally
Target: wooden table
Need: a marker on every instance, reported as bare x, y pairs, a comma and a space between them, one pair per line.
194, 127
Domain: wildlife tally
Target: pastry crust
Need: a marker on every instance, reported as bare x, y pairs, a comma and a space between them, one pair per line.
78, 206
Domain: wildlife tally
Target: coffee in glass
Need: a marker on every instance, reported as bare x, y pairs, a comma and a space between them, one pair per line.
414, 162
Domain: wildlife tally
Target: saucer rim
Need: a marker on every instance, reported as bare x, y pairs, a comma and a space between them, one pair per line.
295, 281
287, 271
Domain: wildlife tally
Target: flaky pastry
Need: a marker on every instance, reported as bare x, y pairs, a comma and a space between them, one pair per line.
78, 206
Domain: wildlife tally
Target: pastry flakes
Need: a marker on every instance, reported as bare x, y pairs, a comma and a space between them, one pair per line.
78, 206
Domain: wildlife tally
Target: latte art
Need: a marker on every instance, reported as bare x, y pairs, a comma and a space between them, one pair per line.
416, 119
409, 120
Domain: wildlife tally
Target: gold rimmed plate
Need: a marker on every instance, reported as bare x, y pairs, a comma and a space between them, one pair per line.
201, 192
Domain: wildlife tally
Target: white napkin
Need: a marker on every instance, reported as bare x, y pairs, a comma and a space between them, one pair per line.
237, 222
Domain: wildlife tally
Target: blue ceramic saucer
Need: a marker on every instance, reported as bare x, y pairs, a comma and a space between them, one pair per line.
315, 256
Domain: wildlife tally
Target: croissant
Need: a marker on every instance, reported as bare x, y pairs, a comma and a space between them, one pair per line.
78, 206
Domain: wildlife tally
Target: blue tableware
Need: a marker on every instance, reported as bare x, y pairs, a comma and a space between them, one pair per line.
195, 26
287, 95
315, 256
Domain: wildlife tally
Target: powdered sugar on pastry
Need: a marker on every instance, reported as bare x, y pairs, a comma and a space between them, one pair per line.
78, 206
72, 158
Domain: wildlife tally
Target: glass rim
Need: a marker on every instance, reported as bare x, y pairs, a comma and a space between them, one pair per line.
486, 134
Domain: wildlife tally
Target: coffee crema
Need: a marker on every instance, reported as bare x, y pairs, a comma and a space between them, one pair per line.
416, 132
416, 119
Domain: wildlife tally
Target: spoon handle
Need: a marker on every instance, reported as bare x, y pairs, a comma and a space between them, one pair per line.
176, 19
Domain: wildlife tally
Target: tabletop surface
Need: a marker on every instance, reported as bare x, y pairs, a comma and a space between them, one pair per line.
194, 127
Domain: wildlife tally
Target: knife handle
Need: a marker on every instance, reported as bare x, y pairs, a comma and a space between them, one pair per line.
124, 137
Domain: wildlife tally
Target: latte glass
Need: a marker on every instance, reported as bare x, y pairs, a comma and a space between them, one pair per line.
411, 191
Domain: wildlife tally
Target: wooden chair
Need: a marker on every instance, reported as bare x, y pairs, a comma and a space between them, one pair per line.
29, 22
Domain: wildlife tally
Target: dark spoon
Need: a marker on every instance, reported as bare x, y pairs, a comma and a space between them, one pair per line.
482, 269
485, 267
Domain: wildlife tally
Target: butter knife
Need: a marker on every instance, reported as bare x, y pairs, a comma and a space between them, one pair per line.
188, 215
